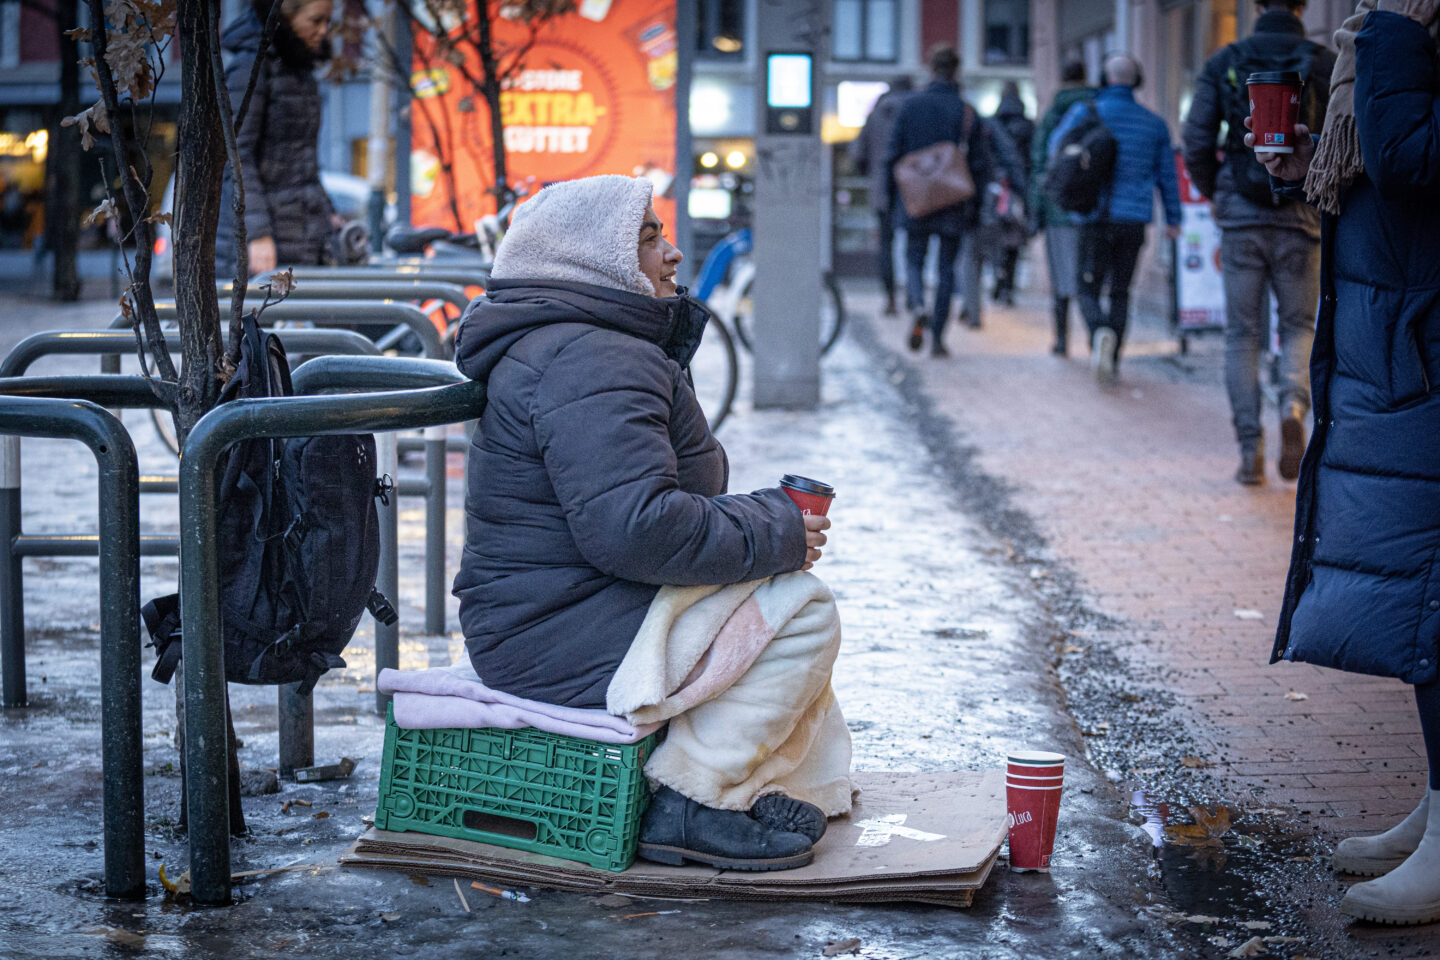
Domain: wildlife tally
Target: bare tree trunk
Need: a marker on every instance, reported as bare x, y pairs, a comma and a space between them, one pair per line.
490, 87
62, 210
199, 167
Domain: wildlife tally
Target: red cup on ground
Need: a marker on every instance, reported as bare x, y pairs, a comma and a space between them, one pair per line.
1274, 109
811, 496
1033, 780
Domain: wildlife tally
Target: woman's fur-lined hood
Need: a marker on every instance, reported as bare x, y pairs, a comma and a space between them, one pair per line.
579, 231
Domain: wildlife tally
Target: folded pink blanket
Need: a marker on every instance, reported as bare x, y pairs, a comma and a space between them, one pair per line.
454, 696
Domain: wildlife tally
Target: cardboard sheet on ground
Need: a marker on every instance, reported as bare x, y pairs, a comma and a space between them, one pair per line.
917, 837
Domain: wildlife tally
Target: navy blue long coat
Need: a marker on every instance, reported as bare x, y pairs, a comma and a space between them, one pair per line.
1363, 592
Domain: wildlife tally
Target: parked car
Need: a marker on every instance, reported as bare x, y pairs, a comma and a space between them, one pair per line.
349, 194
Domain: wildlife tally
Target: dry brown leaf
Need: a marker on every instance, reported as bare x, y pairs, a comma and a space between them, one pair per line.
321, 815
1250, 948
1293, 695
836, 947
102, 212
1207, 829
165, 218
1195, 763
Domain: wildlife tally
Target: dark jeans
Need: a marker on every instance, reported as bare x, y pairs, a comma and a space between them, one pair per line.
887, 251
1108, 253
916, 246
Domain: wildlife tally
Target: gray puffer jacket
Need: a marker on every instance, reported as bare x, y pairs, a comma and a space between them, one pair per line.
593, 477
279, 147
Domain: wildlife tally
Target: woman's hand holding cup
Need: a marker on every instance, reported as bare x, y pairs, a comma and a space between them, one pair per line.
815, 525
1286, 166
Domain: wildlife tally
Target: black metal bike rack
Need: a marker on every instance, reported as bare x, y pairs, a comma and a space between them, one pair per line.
208, 803
119, 547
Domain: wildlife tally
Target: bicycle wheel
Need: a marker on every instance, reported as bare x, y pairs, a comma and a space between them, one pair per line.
832, 313
715, 373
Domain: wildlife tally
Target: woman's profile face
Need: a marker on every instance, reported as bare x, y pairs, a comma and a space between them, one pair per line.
659, 258
311, 22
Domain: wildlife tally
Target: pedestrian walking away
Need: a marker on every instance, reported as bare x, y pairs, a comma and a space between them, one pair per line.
1270, 244
938, 114
1062, 235
289, 219
601, 560
1363, 592
1111, 237
1010, 224
869, 152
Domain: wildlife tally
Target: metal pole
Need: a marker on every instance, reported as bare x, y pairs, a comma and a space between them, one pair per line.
297, 729
387, 579
435, 457
119, 497
124, 792
12, 583
685, 14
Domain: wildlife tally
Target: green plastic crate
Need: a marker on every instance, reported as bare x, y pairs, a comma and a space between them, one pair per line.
526, 789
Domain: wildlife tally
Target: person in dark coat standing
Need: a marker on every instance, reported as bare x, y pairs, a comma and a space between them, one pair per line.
289, 220
1269, 244
927, 117
869, 152
1062, 235
1363, 591
596, 486
1010, 237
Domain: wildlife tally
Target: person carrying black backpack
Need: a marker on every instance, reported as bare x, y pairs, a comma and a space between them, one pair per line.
1268, 243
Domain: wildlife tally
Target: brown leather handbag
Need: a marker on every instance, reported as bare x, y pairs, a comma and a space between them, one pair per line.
938, 176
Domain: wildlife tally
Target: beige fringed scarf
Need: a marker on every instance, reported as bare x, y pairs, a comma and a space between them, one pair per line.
1337, 159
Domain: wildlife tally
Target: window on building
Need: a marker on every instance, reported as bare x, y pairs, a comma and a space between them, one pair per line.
1007, 32
720, 29
865, 30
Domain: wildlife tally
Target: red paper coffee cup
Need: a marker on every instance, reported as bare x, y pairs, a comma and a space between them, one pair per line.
811, 496
1033, 782
1274, 109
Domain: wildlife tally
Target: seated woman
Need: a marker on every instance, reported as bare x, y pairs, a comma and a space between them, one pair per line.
604, 564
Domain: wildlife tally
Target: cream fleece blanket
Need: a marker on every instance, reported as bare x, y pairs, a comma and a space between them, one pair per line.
742, 674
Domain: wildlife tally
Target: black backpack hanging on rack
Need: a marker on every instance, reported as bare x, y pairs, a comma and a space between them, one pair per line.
298, 541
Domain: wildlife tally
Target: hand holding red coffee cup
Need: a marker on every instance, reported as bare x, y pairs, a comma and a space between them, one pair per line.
813, 498
1285, 166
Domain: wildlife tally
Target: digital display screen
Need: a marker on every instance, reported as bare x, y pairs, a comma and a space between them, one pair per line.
787, 84
709, 203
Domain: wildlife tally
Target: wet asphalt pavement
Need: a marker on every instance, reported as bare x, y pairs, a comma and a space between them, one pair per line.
954, 616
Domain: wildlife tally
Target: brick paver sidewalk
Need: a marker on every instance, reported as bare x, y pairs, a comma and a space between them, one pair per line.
1132, 487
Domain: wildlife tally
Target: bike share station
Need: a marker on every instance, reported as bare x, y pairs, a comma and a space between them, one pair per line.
519, 806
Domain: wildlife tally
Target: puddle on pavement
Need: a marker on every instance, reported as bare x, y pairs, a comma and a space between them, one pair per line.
1230, 874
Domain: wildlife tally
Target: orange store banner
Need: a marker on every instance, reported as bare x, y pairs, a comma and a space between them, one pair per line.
594, 94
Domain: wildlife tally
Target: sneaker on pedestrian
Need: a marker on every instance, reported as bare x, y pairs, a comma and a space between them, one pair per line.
1104, 346
1410, 893
1251, 472
969, 321
937, 349
919, 321
890, 310
1292, 442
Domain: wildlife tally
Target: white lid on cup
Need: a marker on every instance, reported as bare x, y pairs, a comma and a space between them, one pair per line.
1036, 758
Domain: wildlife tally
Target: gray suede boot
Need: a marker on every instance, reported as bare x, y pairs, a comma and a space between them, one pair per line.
1410, 893
1383, 852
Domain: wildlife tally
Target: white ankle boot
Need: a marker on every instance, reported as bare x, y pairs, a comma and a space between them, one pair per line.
1373, 856
1411, 892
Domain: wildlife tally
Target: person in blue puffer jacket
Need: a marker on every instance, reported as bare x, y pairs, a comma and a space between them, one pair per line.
1363, 591
1111, 237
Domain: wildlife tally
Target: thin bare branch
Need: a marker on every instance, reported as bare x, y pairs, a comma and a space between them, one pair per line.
135, 193
232, 150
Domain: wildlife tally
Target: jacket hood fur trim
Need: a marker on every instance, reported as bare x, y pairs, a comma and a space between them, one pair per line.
579, 231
